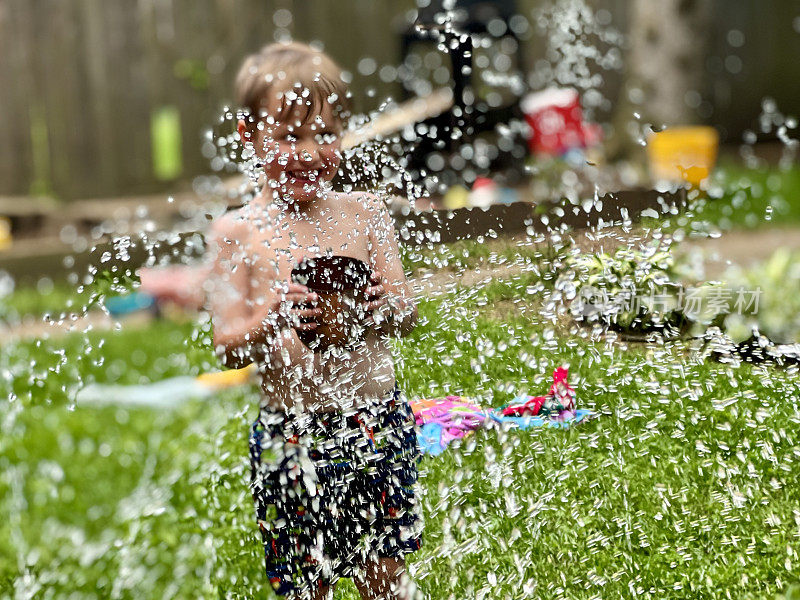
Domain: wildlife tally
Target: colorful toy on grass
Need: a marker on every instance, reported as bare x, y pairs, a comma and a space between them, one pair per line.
219, 380
168, 393
456, 415
119, 306
558, 401
442, 420
523, 405
485, 193
163, 291
456, 197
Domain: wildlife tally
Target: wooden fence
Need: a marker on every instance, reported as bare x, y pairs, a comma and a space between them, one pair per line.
85, 85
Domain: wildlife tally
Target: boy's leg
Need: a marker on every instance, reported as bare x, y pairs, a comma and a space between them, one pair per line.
322, 593
284, 511
384, 579
389, 492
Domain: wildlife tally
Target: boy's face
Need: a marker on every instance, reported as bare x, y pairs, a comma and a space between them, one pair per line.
301, 152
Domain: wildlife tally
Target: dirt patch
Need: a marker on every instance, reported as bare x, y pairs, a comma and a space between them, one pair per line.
743, 248
509, 309
437, 281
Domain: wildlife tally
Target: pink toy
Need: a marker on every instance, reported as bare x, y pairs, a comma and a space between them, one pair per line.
457, 415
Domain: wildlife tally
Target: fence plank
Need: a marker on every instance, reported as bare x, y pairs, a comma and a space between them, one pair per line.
61, 78
130, 93
16, 161
30, 114
99, 104
193, 46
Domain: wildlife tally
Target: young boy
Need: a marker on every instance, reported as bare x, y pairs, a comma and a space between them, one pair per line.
333, 452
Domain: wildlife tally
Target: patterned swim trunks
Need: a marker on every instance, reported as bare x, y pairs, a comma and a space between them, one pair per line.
333, 490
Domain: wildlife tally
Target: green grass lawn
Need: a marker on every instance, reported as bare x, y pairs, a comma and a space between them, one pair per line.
53, 299
743, 198
685, 486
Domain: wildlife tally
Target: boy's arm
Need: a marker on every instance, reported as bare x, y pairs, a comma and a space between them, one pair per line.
399, 311
238, 331
247, 330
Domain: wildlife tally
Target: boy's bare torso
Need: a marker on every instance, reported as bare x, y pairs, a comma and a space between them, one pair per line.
277, 240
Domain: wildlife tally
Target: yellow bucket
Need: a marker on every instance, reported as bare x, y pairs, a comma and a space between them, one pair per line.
683, 154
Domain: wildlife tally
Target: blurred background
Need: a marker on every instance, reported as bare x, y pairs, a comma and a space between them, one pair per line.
108, 98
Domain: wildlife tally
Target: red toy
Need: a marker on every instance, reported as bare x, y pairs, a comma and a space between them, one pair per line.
559, 399
556, 122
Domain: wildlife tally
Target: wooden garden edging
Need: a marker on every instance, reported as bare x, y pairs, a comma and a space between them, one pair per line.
414, 228
446, 226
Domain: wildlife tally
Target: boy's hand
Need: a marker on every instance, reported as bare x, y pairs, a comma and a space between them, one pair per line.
376, 294
294, 306
377, 308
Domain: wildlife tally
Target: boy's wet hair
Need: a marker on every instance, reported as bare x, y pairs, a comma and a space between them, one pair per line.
306, 77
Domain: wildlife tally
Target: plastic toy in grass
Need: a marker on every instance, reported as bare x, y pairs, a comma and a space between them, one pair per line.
119, 306
219, 380
456, 414
456, 197
442, 420
556, 123
168, 393
339, 282
181, 285
559, 401
683, 154
485, 192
